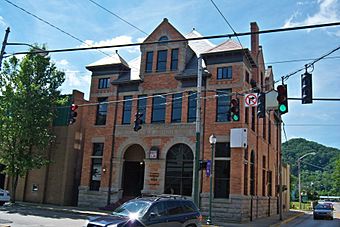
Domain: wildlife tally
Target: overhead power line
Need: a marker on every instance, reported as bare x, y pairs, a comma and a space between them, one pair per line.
120, 18
52, 25
188, 39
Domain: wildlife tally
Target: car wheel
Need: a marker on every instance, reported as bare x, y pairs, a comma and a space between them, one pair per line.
2, 203
314, 218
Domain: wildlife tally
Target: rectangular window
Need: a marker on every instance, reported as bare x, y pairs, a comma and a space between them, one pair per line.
158, 109
98, 149
96, 166
101, 111
245, 173
270, 180
269, 132
149, 60
176, 112
223, 105
222, 170
263, 175
127, 107
161, 60
247, 77
264, 127
222, 180
174, 59
253, 119
141, 105
192, 105
103, 83
224, 73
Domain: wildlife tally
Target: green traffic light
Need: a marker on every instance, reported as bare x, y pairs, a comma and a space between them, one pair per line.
283, 108
235, 117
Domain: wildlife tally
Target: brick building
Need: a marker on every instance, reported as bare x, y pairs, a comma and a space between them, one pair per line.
58, 181
119, 162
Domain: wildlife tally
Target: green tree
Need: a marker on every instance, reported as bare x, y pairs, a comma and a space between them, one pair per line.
28, 93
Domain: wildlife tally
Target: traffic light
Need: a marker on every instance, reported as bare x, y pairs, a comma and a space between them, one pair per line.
306, 88
282, 98
73, 114
261, 105
235, 109
138, 121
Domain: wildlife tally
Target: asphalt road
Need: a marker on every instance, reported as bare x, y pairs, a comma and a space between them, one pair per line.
307, 220
16, 216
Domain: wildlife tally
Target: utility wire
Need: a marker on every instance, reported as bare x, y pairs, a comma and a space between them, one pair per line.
53, 26
298, 60
323, 168
311, 64
188, 39
114, 14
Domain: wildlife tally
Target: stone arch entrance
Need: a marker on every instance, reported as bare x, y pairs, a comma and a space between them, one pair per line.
179, 170
133, 171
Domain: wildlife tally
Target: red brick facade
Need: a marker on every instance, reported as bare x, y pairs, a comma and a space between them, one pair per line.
124, 148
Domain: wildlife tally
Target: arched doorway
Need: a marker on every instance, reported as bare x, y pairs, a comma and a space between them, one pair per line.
179, 170
133, 171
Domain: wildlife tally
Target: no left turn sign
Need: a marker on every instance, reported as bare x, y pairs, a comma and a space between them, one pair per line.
250, 100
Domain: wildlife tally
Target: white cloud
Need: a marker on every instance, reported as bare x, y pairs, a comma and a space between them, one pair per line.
327, 12
119, 40
2, 22
62, 63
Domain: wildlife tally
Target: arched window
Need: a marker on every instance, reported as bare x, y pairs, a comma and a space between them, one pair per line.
252, 173
179, 170
163, 38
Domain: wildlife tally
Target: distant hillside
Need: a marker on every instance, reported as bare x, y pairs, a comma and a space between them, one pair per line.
318, 172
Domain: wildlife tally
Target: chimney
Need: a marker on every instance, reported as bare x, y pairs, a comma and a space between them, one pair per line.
254, 40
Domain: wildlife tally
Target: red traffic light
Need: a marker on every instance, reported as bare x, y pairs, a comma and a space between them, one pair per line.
74, 107
281, 89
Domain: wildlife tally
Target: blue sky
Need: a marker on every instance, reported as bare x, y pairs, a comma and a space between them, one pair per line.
83, 19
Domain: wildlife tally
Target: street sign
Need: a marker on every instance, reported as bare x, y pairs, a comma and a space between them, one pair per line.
250, 100
208, 169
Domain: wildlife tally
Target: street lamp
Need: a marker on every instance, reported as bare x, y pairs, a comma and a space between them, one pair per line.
299, 176
212, 141
38, 50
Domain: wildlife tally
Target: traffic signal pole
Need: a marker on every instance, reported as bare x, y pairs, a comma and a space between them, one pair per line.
4, 43
198, 133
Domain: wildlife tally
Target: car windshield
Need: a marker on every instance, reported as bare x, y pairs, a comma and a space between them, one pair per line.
322, 207
133, 209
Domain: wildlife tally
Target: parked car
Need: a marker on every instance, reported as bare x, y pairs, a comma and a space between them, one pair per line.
155, 211
323, 211
4, 197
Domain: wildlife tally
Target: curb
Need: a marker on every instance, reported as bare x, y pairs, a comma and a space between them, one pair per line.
287, 220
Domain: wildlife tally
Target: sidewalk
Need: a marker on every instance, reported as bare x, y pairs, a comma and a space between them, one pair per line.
272, 221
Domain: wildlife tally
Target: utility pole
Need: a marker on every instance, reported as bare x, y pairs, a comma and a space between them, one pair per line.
198, 132
4, 43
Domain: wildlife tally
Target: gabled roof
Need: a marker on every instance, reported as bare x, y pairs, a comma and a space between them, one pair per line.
114, 59
201, 45
226, 46
164, 28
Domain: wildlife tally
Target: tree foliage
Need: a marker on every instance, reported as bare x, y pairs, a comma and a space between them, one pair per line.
320, 173
28, 93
